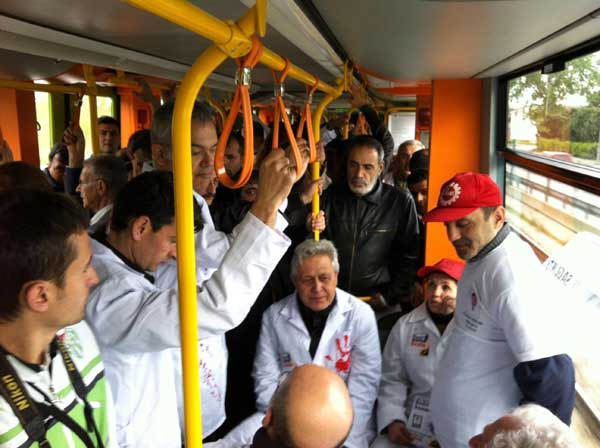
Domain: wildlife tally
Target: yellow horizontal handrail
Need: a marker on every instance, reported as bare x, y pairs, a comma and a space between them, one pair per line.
232, 39
72, 89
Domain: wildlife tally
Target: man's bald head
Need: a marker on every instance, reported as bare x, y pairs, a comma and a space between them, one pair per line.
311, 409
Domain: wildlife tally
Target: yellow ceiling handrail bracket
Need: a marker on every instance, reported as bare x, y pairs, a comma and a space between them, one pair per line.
261, 17
88, 72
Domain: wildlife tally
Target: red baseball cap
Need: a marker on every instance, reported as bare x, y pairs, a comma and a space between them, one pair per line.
463, 194
452, 268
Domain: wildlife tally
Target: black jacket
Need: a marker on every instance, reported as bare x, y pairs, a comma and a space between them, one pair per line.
377, 237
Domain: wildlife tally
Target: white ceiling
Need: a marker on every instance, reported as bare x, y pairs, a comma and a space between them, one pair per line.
404, 39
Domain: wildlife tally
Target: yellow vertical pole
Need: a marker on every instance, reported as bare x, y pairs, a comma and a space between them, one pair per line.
184, 218
88, 72
315, 167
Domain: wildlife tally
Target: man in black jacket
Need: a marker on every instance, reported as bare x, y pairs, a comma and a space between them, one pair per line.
373, 225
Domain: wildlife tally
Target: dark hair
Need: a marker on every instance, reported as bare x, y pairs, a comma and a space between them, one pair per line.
416, 177
160, 132
105, 119
32, 248
419, 160
239, 139
150, 194
111, 169
61, 150
487, 211
140, 140
366, 141
21, 175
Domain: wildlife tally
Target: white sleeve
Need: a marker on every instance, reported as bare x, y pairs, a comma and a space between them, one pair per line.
364, 377
148, 320
266, 371
394, 380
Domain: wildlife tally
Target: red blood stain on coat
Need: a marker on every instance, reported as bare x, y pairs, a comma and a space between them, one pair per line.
342, 365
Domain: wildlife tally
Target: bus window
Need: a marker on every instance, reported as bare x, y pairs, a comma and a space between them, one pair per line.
44, 134
105, 107
557, 115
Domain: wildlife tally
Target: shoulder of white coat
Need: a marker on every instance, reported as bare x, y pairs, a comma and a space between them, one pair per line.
348, 302
281, 308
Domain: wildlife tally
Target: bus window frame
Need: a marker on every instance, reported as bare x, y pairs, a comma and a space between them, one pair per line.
572, 174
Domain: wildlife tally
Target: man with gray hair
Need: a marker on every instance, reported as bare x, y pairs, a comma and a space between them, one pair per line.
400, 165
101, 179
320, 324
528, 426
374, 227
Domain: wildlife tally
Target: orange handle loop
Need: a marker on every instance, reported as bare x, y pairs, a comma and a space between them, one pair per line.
306, 118
280, 113
240, 99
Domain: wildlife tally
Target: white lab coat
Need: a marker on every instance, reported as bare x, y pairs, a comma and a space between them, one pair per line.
349, 346
410, 360
136, 323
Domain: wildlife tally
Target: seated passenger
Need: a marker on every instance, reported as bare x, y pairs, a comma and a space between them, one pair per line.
410, 359
310, 409
49, 361
101, 179
374, 227
15, 175
528, 426
135, 315
321, 325
57, 165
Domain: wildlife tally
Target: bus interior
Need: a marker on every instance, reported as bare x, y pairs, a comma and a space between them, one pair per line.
505, 87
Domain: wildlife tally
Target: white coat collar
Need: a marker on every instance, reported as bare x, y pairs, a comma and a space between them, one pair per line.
420, 313
291, 312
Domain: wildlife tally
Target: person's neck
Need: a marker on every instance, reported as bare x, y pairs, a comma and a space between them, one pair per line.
121, 243
27, 341
104, 201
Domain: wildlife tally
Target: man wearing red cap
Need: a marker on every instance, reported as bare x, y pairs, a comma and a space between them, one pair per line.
505, 349
411, 357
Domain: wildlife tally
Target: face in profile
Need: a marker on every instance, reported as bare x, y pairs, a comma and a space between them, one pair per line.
439, 291
79, 277
315, 282
472, 233
155, 247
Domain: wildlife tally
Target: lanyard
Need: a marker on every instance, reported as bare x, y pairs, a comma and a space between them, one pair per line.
31, 414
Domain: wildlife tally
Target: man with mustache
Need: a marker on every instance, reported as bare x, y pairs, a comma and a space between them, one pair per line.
374, 227
507, 345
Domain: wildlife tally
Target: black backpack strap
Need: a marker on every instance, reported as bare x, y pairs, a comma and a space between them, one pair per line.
80, 390
23, 406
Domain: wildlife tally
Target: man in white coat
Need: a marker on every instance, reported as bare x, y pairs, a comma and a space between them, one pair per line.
322, 325
136, 322
411, 357
507, 347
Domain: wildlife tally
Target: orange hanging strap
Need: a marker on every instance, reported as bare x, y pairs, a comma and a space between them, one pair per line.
307, 119
240, 99
280, 113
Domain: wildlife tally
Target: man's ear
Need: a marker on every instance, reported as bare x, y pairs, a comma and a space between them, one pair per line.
500, 216
268, 418
102, 187
140, 227
35, 295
